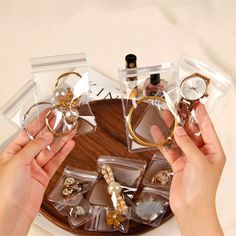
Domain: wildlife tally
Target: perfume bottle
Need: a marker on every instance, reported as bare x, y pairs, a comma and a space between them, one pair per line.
154, 86
131, 63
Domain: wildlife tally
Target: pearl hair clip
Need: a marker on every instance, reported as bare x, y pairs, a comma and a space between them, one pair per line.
114, 189
65, 104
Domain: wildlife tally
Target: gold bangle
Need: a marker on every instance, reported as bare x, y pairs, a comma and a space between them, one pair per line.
65, 75
132, 133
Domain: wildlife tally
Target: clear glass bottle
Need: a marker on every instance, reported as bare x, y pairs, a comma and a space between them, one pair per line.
154, 86
131, 63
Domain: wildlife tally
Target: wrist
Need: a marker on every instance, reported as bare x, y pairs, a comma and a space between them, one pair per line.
12, 220
197, 221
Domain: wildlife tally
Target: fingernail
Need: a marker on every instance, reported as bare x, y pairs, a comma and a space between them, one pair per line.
47, 136
179, 131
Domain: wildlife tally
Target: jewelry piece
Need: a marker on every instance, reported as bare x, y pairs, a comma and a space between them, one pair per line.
130, 128
115, 218
71, 187
192, 89
65, 104
77, 211
149, 210
69, 181
163, 177
114, 189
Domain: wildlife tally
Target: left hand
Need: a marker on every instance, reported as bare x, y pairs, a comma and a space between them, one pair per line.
26, 167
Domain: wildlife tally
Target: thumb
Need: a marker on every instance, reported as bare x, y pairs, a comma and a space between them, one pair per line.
187, 145
34, 147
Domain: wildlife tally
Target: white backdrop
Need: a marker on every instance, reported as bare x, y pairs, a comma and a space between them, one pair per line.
155, 30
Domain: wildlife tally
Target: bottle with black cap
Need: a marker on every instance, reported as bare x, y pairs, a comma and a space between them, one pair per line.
131, 63
154, 86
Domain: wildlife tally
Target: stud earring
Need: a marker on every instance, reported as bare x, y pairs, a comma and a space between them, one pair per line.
77, 211
164, 177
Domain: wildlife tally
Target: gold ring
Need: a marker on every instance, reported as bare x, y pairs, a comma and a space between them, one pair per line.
132, 133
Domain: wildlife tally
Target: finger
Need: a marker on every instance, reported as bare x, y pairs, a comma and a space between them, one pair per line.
207, 129
22, 138
191, 151
51, 167
33, 148
46, 155
157, 134
167, 116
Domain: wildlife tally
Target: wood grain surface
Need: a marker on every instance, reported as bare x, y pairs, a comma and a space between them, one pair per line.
109, 139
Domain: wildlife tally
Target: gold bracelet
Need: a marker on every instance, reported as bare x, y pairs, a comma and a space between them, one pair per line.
131, 131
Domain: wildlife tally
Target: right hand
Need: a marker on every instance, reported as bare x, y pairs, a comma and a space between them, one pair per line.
197, 174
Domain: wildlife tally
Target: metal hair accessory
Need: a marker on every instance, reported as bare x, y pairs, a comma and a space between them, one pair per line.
114, 189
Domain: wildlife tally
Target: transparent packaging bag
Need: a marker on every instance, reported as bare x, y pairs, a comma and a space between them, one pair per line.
127, 172
198, 83
105, 219
144, 104
149, 207
72, 185
63, 88
16, 110
78, 211
159, 174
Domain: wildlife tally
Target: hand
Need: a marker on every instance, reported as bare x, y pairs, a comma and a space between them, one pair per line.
26, 168
197, 172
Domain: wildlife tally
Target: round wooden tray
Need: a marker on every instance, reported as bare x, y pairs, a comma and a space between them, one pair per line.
109, 139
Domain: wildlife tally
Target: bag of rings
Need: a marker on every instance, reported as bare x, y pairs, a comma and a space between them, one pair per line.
127, 173
78, 211
149, 207
144, 105
63, 89
105, 219
16, 110
197, 83
72, 184
159, 174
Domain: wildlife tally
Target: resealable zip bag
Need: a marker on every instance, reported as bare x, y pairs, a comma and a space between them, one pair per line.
63, 88
144, 105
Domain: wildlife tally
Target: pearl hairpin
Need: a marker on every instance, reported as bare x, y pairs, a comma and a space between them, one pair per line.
114, 189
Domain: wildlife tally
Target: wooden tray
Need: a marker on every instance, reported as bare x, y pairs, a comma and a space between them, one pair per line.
109, 139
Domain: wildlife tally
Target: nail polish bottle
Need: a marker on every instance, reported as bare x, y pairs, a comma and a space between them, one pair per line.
154, 86
131, 63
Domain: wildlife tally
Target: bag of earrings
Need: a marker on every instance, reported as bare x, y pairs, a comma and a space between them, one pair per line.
78, 211
63, 88
198, 83
159, 174
17, 110
127, 173
144, 105
105, 219
149, 207
72, 184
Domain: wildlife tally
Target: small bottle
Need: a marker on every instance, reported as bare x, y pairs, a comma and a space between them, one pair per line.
131, 63
154, 86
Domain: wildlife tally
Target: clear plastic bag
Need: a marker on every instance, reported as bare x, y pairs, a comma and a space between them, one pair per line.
144, 105
72, 185
197, 83
159, 174
16, 109
105, 219
63, 88
149, 207
78, 211
127, 172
